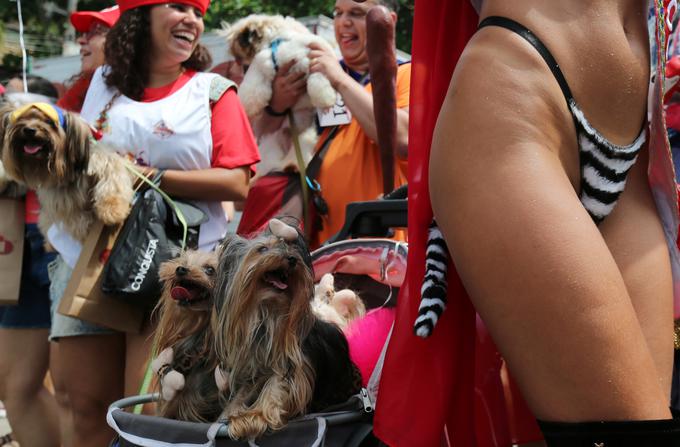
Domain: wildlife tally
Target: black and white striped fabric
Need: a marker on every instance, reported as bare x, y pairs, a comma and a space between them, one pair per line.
604, 169
604, 166
433, 292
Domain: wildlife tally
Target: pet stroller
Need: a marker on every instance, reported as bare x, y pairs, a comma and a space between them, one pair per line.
374, 268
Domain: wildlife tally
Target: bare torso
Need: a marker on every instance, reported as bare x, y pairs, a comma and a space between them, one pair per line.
581, 311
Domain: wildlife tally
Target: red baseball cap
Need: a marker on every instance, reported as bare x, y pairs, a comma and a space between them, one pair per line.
202, 5
83, 20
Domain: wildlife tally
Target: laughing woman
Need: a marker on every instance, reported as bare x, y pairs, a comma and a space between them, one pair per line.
153, 101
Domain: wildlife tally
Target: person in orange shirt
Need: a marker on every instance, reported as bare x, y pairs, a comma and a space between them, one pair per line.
350, 170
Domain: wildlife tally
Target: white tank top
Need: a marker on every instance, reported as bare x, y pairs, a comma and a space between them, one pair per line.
171, 133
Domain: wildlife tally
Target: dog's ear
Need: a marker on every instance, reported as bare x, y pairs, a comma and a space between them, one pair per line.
249, 40
76, 147
5, 111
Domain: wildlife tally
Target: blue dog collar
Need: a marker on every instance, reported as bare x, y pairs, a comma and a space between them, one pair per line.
275, 47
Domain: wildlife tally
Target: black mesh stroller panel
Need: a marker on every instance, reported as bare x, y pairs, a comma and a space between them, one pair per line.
348, 426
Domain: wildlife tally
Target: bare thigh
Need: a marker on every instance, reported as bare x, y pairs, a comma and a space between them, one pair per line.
91, 368
24, 357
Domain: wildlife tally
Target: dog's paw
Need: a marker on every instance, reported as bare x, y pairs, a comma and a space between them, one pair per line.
348, 304
325, 290
112, 210
171, 383
320, 91
248, 425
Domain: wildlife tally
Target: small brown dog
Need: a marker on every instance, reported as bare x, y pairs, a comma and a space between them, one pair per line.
281, 361
187, 361
77, 180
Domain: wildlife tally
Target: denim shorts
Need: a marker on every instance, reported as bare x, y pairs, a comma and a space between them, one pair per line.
62, 325
33, 309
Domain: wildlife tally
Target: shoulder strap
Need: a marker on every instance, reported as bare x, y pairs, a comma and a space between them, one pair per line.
218, 86
314, 164
530, 37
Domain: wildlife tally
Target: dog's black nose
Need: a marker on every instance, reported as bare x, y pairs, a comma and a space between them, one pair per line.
181, 271
292, 261
28, 132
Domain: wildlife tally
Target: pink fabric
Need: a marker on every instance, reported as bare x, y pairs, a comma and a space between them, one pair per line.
366, 338
364, 261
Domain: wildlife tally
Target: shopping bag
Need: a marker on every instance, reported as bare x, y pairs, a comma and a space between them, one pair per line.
152, 234
11, 249
83, 297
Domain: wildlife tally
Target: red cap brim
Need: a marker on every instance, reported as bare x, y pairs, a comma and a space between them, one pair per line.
82, 21
202, 5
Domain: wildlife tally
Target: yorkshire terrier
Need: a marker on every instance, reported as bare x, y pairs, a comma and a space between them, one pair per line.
77, 180
186, 361
279, 360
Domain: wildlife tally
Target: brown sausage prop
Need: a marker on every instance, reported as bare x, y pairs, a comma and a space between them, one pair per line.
382, 65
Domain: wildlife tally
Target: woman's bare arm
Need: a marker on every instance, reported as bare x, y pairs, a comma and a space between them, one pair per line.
213, 184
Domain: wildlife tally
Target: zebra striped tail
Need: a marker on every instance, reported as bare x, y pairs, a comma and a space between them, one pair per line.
433, 291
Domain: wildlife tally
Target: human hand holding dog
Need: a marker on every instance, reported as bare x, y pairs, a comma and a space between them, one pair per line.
323, 60
287, 88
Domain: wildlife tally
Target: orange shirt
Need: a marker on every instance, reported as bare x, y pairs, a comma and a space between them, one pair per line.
351, 171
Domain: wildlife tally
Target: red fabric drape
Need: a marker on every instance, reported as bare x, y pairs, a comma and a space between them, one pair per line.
426, 384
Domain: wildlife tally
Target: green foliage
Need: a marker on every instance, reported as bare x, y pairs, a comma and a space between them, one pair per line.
49, 31
43, 34
232, 10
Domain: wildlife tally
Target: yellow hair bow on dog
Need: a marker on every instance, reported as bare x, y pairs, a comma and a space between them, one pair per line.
53, 112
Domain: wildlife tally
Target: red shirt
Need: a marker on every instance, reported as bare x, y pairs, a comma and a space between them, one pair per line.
73, 98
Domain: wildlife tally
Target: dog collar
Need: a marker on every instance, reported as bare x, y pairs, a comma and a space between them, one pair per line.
275, 47
53, 112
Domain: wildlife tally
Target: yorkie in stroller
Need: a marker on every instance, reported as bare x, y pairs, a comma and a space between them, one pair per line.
186, 361
279, 359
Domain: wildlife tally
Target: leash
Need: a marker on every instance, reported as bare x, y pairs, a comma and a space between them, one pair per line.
302, 169
152, 184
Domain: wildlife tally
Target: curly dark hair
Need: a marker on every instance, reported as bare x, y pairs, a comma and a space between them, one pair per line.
127, 49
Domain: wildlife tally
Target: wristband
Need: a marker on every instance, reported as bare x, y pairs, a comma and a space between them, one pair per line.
273, 112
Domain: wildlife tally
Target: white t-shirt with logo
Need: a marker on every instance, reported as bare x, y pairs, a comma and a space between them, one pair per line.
173, 132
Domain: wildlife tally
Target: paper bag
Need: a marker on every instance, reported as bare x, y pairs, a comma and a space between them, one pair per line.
11, 249
83, 297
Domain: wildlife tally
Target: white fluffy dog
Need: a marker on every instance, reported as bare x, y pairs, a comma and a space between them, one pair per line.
265, 43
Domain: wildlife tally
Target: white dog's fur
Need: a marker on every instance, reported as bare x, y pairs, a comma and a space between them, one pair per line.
249, 40
339, 307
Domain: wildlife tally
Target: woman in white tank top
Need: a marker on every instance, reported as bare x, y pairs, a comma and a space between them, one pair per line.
156, 107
